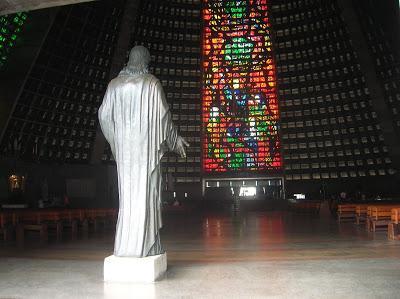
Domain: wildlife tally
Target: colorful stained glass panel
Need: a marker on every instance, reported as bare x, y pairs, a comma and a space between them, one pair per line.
240, 108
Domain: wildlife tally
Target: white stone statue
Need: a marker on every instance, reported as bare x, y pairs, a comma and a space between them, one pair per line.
136, 121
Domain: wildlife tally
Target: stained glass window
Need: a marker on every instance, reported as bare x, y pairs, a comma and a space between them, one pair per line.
10, 28
240, 108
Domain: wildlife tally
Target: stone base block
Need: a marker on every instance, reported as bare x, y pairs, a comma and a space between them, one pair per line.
133, 269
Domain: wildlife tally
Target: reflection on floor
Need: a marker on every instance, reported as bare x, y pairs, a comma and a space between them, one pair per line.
217, 255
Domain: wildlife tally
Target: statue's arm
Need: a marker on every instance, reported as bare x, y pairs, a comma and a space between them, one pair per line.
169, 130
106, 119
175, 142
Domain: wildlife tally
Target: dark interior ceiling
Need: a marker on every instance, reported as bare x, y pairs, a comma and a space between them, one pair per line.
13, 6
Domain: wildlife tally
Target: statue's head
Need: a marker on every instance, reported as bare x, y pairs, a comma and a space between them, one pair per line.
139, 59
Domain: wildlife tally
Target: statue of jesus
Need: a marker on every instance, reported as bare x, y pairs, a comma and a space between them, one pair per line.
136, 122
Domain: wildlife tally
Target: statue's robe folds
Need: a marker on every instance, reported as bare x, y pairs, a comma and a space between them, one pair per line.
136, 121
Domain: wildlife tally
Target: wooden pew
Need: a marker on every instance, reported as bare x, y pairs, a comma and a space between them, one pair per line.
53, 219
379, 216
58, 219
368, 223
28, 220
43, 220
80, 216
95, 217
361, 213
346, 211
8, 222
100, 216
72, 218
111, 215
67, 219
394, 225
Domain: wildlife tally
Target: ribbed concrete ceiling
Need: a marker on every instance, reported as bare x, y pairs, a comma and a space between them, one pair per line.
13, 6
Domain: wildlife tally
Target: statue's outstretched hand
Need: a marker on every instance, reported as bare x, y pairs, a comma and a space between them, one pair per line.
181, 145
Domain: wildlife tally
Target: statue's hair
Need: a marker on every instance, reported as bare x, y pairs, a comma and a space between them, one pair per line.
139, 59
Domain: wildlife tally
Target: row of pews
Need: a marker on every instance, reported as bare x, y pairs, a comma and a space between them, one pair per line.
16, 223
373, 215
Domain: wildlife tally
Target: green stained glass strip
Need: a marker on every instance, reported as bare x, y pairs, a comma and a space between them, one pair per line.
10, 29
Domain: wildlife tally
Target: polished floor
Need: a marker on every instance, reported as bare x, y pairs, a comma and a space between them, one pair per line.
269, 254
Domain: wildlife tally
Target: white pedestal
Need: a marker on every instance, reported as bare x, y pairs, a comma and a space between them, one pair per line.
133, 269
